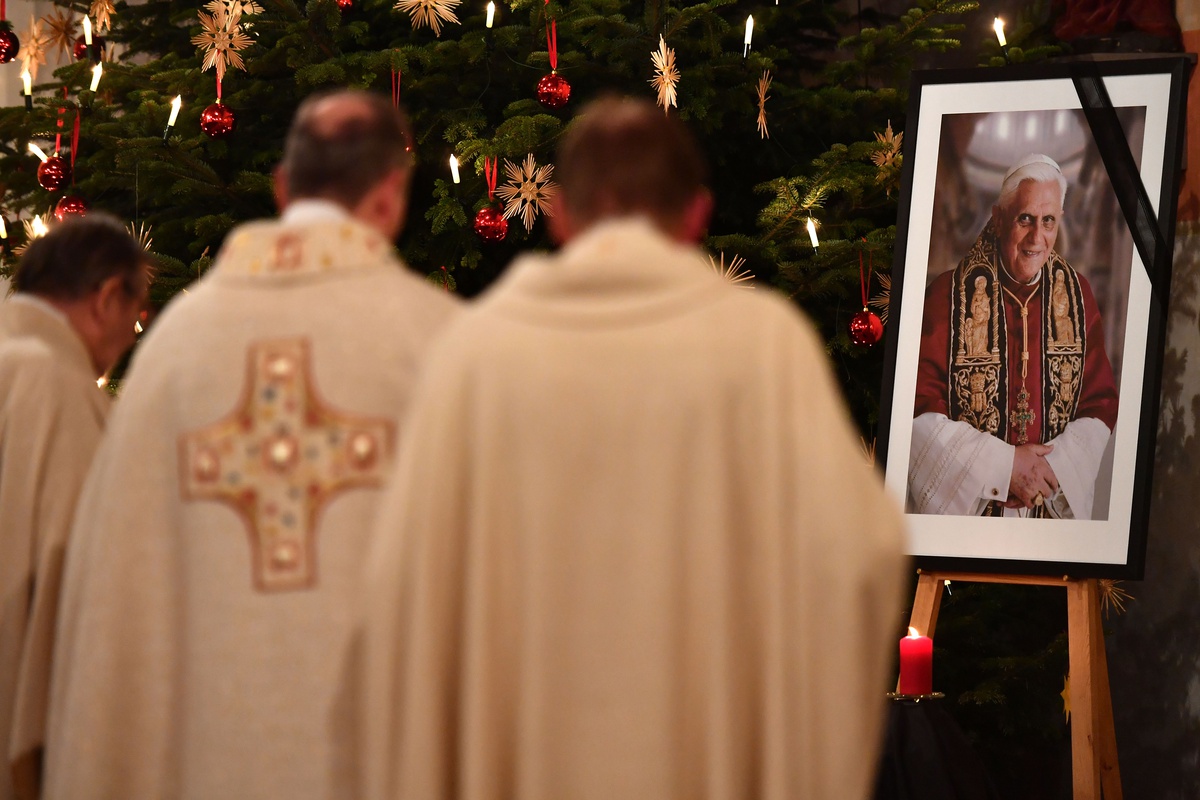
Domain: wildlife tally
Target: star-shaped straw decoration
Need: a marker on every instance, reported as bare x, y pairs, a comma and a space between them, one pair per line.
528, 191
234, 10
429, 12
101, 11
61, 32
33, 47
221, 39
735, 273
666, 75
883, 300
35, 227
764, 86
142, 234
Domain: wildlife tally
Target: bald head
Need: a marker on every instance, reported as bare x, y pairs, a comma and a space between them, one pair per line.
342, 144
623, 157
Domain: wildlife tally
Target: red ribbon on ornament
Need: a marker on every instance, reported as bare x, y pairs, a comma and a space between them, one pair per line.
396, 75
58, 136
491, 171
3, 9
552, 42
74, 146
863, 277
218, 91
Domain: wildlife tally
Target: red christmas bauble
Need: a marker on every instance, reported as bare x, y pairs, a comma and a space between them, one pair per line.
10, 45
553, 91
345, 5
866, 329
68, 206
490, 224
54, 173
80, 50
218, 120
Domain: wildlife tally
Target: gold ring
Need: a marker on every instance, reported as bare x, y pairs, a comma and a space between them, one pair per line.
1038, 499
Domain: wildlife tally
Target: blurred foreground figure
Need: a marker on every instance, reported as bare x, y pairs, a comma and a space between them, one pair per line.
78, 293
217, 556
632, 548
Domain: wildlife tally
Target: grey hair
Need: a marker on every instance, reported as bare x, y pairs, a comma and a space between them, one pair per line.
1034, 167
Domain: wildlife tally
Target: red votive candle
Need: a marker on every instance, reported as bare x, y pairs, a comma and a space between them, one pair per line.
916, 664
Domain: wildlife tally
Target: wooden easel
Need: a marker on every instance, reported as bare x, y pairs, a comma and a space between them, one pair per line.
1094, 768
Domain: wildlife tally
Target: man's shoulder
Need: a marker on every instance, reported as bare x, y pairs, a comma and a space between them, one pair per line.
35, 373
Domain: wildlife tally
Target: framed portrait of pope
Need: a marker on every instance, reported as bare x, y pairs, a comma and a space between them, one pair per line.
1027, 314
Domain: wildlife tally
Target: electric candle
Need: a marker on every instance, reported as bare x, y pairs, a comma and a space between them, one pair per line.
999, 26
87, 31
491, 13
812, 232
175, 104
27, 81
749, 35
454, 168
97, 71
916, 664
37, 151
38, 228
3, 229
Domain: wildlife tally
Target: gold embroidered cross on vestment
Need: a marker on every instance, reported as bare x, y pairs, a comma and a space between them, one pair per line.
280, 457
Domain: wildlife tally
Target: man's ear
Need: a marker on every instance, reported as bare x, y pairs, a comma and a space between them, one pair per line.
560, 225
280, 184
108, 297
693, 224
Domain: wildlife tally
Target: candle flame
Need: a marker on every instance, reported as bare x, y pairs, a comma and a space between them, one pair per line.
999, 27
97, 71
175, 104
27, 80
3, 229
37, 151
87, 31
912, 632
38, 226
491, 13
137, 327
454, 168
812, 232
101, 381
749, 35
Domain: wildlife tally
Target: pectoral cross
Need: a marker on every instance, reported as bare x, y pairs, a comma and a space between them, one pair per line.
1021, 418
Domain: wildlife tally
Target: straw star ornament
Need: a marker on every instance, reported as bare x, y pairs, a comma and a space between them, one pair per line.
528, 191
234, 9
736, 273
429, 12
220, 40
33, 47
666, 75
101, 11
764, 86
60, 31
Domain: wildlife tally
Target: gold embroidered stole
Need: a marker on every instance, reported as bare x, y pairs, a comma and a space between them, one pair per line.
979, 382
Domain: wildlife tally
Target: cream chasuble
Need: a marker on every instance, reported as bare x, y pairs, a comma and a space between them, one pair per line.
222, 537
51, 418
632, 549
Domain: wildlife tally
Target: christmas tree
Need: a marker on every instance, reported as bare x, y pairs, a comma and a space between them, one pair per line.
803, 127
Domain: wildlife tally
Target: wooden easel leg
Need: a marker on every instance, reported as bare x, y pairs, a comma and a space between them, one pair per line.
926, 603
1090, 726
1110, 771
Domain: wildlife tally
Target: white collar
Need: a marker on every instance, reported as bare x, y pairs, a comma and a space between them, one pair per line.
42, 303
308, 210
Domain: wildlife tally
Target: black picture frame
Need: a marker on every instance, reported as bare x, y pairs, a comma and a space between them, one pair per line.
964, 129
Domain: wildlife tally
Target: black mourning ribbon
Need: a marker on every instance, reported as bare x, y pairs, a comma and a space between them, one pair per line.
1148, 236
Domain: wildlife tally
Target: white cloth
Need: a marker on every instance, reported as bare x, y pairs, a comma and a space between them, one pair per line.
222, 535
632, 549
311, 210
51, 418
957, 469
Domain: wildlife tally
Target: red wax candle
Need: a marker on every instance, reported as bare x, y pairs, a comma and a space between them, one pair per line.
916, 664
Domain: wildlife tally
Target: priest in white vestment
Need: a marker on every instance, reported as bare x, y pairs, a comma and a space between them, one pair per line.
632, 548
223, 533
78, 293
